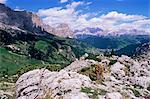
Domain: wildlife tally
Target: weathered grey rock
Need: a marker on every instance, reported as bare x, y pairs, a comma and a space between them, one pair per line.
118, 80
113, 95
76, 95
141, 81
38, 82
124, 58
79, 64
105, 62
118, 70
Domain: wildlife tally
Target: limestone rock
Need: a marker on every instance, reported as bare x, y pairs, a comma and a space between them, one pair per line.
119, 80
79, 64
113, 95
118, 69
77, 95
38, 82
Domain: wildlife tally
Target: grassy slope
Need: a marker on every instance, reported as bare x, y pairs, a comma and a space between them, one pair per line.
35, 50
13, 61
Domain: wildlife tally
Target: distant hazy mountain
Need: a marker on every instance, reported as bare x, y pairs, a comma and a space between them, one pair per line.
63, 30
88, 31
116, 39
100, 32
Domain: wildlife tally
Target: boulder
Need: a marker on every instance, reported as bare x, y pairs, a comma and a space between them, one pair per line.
79, 64
118, 69
113, 95
41, 82
105, 62
76, 95
141, 81
119, 79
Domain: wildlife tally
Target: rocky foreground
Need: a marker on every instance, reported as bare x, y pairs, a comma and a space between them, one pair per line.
123, 78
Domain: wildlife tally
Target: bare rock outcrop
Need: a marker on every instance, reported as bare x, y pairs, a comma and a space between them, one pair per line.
79, 64
38, 83
23, 20
20, 19
126, 78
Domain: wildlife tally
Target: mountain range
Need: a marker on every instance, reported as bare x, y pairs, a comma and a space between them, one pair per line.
26, 40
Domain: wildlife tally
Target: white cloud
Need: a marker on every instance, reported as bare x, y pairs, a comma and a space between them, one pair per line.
3, 1
120, 16
73, 5
18, 9
114, 20
139, 24
76, 20
63, 1
88, 3
56, 15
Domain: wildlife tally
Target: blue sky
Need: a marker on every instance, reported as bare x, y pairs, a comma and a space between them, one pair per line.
140, 7
109, 15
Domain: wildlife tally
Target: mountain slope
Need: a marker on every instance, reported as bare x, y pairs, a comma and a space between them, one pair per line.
28, 21
114, 42
135, 49
48, 49
23, 41
19, 19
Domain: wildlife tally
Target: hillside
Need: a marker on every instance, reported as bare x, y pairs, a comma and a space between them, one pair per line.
114, 42
23, 42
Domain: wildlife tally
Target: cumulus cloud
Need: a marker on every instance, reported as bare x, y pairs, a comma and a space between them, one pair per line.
114, 20
120, 16
56, 15
63, 1
76, 20
73, 5
3, 1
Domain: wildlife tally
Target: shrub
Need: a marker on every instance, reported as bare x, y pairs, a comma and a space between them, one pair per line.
51, 67
93, 57
94, 92
136, 92
148, 88
95, 72
112, 62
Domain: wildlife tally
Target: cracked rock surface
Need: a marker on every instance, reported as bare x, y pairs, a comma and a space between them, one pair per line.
127, 78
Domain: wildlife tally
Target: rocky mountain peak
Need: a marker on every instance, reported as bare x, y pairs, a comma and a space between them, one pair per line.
3, 7
30, 21
36, 20
21, 19
63, 25
63, 30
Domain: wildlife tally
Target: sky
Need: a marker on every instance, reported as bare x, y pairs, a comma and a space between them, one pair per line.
78, 14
